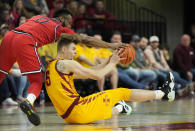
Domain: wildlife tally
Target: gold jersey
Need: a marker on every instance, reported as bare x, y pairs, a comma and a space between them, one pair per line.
73, 108
60, 88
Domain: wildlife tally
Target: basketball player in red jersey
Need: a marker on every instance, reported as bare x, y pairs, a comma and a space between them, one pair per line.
21, 45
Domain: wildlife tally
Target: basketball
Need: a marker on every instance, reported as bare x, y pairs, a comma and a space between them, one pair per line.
128, 54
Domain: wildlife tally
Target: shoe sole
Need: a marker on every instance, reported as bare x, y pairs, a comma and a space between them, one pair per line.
171, 95
32, 116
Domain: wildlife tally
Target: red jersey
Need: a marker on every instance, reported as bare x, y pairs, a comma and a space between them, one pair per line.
43, 29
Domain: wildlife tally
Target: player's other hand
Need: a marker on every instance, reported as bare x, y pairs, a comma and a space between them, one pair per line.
116, 56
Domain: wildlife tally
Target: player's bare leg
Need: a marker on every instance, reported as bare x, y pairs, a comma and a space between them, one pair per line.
166, 92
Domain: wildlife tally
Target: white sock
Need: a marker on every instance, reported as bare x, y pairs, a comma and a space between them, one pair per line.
31, 98
119, 108
159, 94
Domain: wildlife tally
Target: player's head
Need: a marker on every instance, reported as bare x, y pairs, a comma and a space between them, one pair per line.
66, 48
64, 16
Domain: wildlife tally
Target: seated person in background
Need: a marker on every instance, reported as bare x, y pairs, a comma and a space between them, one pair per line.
184, 59
82, 25
58, 4
49, 51
158, 62
3, 30
21, 82
103, 55
36, 6
141, 70
124, 78
73, 7
165, 52
6, 17
7, 87
18, 10
89, 57
143, 43
81, 110
85, 56
99, 12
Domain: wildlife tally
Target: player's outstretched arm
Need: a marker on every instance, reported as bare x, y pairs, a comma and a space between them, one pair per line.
92, 41
68, 66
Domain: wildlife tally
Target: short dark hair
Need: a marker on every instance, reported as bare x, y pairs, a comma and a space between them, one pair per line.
61, 12
116, 33
63, 41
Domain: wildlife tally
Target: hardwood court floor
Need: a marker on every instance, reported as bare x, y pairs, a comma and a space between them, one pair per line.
147, 116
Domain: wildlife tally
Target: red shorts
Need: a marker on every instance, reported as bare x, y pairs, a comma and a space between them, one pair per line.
22, 48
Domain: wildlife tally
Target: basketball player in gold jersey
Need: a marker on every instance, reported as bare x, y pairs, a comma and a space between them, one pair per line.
76, 109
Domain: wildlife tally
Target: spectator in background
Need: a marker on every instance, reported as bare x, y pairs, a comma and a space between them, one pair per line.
82, 26
3, 30
6, 87
143, 43
184, 58
19, 10
21, 82
102, 55
6, 18
158, 62
58, 4
87, 3
123, 76
85, 56
21, 20
141, 70
99, 12
165, 52
73, 8
36, 6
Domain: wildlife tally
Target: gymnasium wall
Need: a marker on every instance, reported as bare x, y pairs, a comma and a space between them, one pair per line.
173, 11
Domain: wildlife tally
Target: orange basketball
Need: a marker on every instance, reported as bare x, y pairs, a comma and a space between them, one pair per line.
128, 54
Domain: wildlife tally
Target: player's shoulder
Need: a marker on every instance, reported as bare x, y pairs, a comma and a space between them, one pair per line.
65, 62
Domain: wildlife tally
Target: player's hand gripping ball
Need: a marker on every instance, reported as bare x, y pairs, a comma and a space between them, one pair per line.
128, 54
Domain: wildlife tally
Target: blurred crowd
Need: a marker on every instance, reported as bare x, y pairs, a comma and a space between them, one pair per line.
148, 71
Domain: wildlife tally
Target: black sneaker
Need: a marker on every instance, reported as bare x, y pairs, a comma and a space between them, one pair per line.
168, 88
27, 108
126, 108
